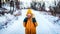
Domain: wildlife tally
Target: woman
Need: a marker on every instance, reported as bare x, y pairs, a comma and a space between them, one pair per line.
30, 23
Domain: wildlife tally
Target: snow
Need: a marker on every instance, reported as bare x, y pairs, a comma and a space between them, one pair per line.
45, 24
2, 20
17, 12
5, 19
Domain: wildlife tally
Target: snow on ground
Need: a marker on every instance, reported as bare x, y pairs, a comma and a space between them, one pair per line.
6, 19
45, 24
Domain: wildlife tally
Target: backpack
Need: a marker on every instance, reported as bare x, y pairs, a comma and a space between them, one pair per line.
33, 20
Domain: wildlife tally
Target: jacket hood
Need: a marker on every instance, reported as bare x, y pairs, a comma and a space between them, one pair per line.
29, 12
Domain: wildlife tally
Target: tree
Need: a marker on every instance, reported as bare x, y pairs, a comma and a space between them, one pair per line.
11, 5
0, 4
17, 4
43, 6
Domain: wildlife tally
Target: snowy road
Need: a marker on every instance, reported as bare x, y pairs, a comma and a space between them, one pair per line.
44, 25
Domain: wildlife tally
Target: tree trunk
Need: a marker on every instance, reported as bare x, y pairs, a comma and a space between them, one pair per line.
17, 4
0, 4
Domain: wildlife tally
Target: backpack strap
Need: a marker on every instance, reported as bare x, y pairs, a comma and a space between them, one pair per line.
25, 20
33, 20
